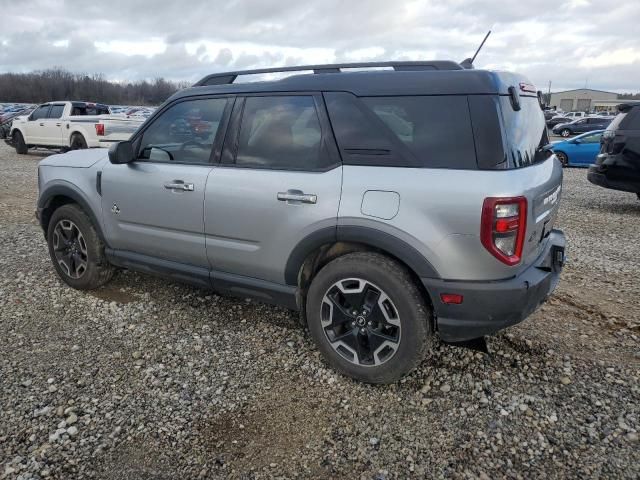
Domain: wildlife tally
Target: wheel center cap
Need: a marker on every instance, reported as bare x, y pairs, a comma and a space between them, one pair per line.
360, 320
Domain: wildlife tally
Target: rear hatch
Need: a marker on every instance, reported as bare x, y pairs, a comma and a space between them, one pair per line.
624, 127
526, 149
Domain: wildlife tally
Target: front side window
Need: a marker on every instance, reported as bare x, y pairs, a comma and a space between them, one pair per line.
184, 133
281, 132
40, 112
56, 111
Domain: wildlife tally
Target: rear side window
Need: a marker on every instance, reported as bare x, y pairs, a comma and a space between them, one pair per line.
281, 132
403, 131
436, 129
56, 111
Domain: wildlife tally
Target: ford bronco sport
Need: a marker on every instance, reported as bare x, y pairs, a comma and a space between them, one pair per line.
387, 205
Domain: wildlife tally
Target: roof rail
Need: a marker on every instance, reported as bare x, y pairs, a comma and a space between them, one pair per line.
226, 78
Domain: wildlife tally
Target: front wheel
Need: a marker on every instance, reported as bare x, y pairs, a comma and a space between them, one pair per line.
76, 250
18, 142
565, 132
564, 160
368, 317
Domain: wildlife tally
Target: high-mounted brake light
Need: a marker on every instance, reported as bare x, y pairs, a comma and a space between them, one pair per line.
503, 227
100, 129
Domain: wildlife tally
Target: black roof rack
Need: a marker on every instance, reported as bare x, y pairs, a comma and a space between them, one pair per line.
227, 78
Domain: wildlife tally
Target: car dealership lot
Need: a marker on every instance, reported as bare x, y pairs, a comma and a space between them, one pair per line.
150, 379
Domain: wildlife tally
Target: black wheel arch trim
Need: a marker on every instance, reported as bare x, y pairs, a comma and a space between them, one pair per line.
69, 190
363, 235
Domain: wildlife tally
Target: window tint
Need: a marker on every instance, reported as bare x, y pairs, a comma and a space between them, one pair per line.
184, 133
436, 129
596, 120
56, 111
40, 112
281, 132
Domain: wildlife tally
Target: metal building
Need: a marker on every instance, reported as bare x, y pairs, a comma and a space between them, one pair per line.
582, 99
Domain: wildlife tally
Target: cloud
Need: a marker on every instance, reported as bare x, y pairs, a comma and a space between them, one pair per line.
563, 42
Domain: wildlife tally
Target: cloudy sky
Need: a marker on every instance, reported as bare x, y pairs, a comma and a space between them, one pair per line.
572, 43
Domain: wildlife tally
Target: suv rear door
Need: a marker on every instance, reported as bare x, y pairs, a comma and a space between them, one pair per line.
154, 205
279, 180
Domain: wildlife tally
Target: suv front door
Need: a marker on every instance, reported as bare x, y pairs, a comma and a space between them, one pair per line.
154, 205
279, 181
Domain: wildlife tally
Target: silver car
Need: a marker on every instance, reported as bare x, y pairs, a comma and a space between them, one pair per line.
387, 206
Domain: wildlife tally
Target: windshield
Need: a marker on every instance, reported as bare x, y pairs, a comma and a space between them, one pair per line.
525, 131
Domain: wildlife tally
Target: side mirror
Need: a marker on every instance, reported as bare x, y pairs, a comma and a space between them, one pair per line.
121, 152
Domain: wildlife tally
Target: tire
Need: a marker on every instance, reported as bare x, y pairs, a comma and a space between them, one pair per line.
565, 132
18, 141
390, 342
73, 241
77, 142
564, 160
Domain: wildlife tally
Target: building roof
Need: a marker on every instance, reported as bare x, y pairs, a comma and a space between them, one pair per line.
589, 89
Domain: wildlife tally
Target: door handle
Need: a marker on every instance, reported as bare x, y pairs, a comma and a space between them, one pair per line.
58, 124
179, 185
42, 124
297, 196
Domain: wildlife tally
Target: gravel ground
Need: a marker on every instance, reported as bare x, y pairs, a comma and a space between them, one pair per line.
150, 379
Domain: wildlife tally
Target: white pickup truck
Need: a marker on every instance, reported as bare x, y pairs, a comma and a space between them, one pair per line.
70, 126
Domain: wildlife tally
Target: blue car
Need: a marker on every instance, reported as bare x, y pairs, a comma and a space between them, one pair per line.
580, 151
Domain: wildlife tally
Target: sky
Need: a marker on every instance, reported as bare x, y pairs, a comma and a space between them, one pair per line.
572, 43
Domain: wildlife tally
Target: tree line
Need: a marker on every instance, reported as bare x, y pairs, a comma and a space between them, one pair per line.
59, 84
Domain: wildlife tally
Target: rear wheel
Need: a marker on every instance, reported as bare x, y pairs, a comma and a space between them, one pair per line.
76, 250
368, 317
564, 160
18, 141
77, 142
565, 132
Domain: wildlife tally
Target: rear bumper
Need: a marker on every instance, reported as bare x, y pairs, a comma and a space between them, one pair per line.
600, 178
491, 306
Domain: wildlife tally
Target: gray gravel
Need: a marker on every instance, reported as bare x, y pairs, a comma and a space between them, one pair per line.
150, 379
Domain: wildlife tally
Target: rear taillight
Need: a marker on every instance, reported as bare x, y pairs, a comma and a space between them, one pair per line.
503, 227
100, 129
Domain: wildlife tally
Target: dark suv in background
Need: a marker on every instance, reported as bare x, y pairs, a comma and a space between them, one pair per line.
618, 164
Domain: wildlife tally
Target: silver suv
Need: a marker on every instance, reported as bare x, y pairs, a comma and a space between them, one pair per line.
386, 205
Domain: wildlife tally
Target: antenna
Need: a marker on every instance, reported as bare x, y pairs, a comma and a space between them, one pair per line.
468, 63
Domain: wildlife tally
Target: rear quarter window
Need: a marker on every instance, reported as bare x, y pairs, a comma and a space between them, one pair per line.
436, 129
403, 131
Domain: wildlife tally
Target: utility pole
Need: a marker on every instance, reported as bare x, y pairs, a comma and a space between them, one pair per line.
549, 94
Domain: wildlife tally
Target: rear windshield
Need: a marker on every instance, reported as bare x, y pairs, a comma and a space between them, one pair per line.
81, 110
525, 132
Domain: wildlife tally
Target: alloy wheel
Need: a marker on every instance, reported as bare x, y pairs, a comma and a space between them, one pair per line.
360, 322
70, 248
